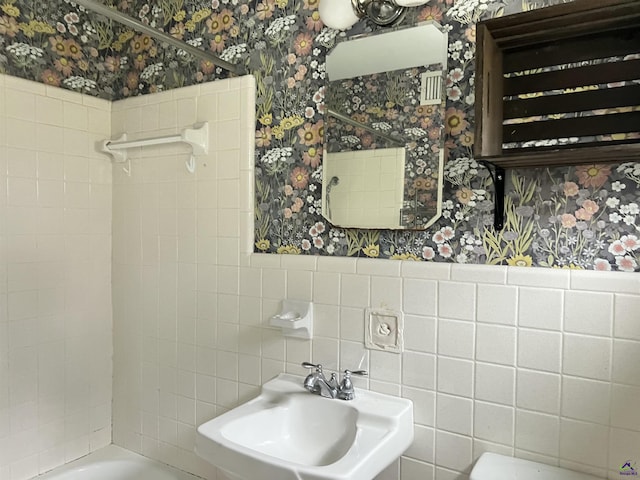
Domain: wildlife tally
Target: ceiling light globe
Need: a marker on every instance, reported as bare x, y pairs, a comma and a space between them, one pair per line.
338, 14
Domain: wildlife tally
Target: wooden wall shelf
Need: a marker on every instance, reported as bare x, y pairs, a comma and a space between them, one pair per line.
558, 86
566, 71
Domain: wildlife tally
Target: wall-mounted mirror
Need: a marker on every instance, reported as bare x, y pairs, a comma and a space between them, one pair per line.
383, 152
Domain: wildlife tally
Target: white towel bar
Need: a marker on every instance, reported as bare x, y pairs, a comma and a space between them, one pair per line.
197, 137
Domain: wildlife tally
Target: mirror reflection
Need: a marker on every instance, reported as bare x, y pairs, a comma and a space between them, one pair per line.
383, 160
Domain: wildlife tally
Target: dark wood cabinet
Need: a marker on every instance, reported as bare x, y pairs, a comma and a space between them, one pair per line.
559, 85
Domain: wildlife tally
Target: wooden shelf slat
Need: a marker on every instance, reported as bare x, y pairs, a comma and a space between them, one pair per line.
572, 127
596, 45
601, 73
546, 157
627, 96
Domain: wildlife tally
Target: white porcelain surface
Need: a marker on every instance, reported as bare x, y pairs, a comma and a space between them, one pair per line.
288, 433
492, 466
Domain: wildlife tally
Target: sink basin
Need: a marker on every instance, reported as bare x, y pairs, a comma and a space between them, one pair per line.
290, 434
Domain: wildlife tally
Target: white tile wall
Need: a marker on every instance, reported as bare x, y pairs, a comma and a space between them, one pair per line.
55, 278
486, 368
543, 364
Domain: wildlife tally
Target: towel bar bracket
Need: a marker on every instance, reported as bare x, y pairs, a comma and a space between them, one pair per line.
196, 136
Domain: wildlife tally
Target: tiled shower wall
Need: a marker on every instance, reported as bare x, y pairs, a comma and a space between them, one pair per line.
540, 363
55, 278
176, 257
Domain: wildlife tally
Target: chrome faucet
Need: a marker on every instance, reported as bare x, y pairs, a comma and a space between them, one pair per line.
318, 384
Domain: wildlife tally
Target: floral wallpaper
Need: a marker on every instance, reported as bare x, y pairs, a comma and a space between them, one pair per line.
576, 217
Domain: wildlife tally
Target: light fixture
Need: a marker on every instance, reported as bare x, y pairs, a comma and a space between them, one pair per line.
343, 14
338, 14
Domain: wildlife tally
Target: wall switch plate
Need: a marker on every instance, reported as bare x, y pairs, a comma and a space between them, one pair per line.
384, 330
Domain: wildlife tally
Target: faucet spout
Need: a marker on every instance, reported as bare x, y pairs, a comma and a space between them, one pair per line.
318, 384
323, 387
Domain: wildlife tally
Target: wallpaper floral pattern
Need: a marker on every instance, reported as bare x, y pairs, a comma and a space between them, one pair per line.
582, 217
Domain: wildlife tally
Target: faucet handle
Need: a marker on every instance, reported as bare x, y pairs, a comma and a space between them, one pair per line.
346, 390
356, 372
318, 367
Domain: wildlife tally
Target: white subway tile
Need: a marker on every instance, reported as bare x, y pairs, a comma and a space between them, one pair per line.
454, 414
420, 333
423, 446
228, 194
326, 351
20, 104
300, 285
613, 282
274, 283
589, 313
32, 87
424, 403
250, 311
410, 468
250, 282
352, 325
453, 451
372, 266
494, 423
186, 112
299, 262
586, 400
75, 116
249, 369
418, 370
273, 345
495, 383
50, 166
479, 273
426, 270
584, 443
456, 338
228, 308
20, 134
537, 433
384, 366
228, 164
540, 308
386, 292
496, 344
627, 317
264, 260
497, 304
21, 163
354, 290
457, 300
326, 288
352, 353
588, 357
226, 393
455, 376
539, 350
626, 362
419, 296
624, 407
299, 350
336, 264
538, 277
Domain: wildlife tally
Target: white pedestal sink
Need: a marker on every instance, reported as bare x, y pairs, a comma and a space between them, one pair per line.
287, 433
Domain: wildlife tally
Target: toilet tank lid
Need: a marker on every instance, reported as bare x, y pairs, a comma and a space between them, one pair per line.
491, 466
